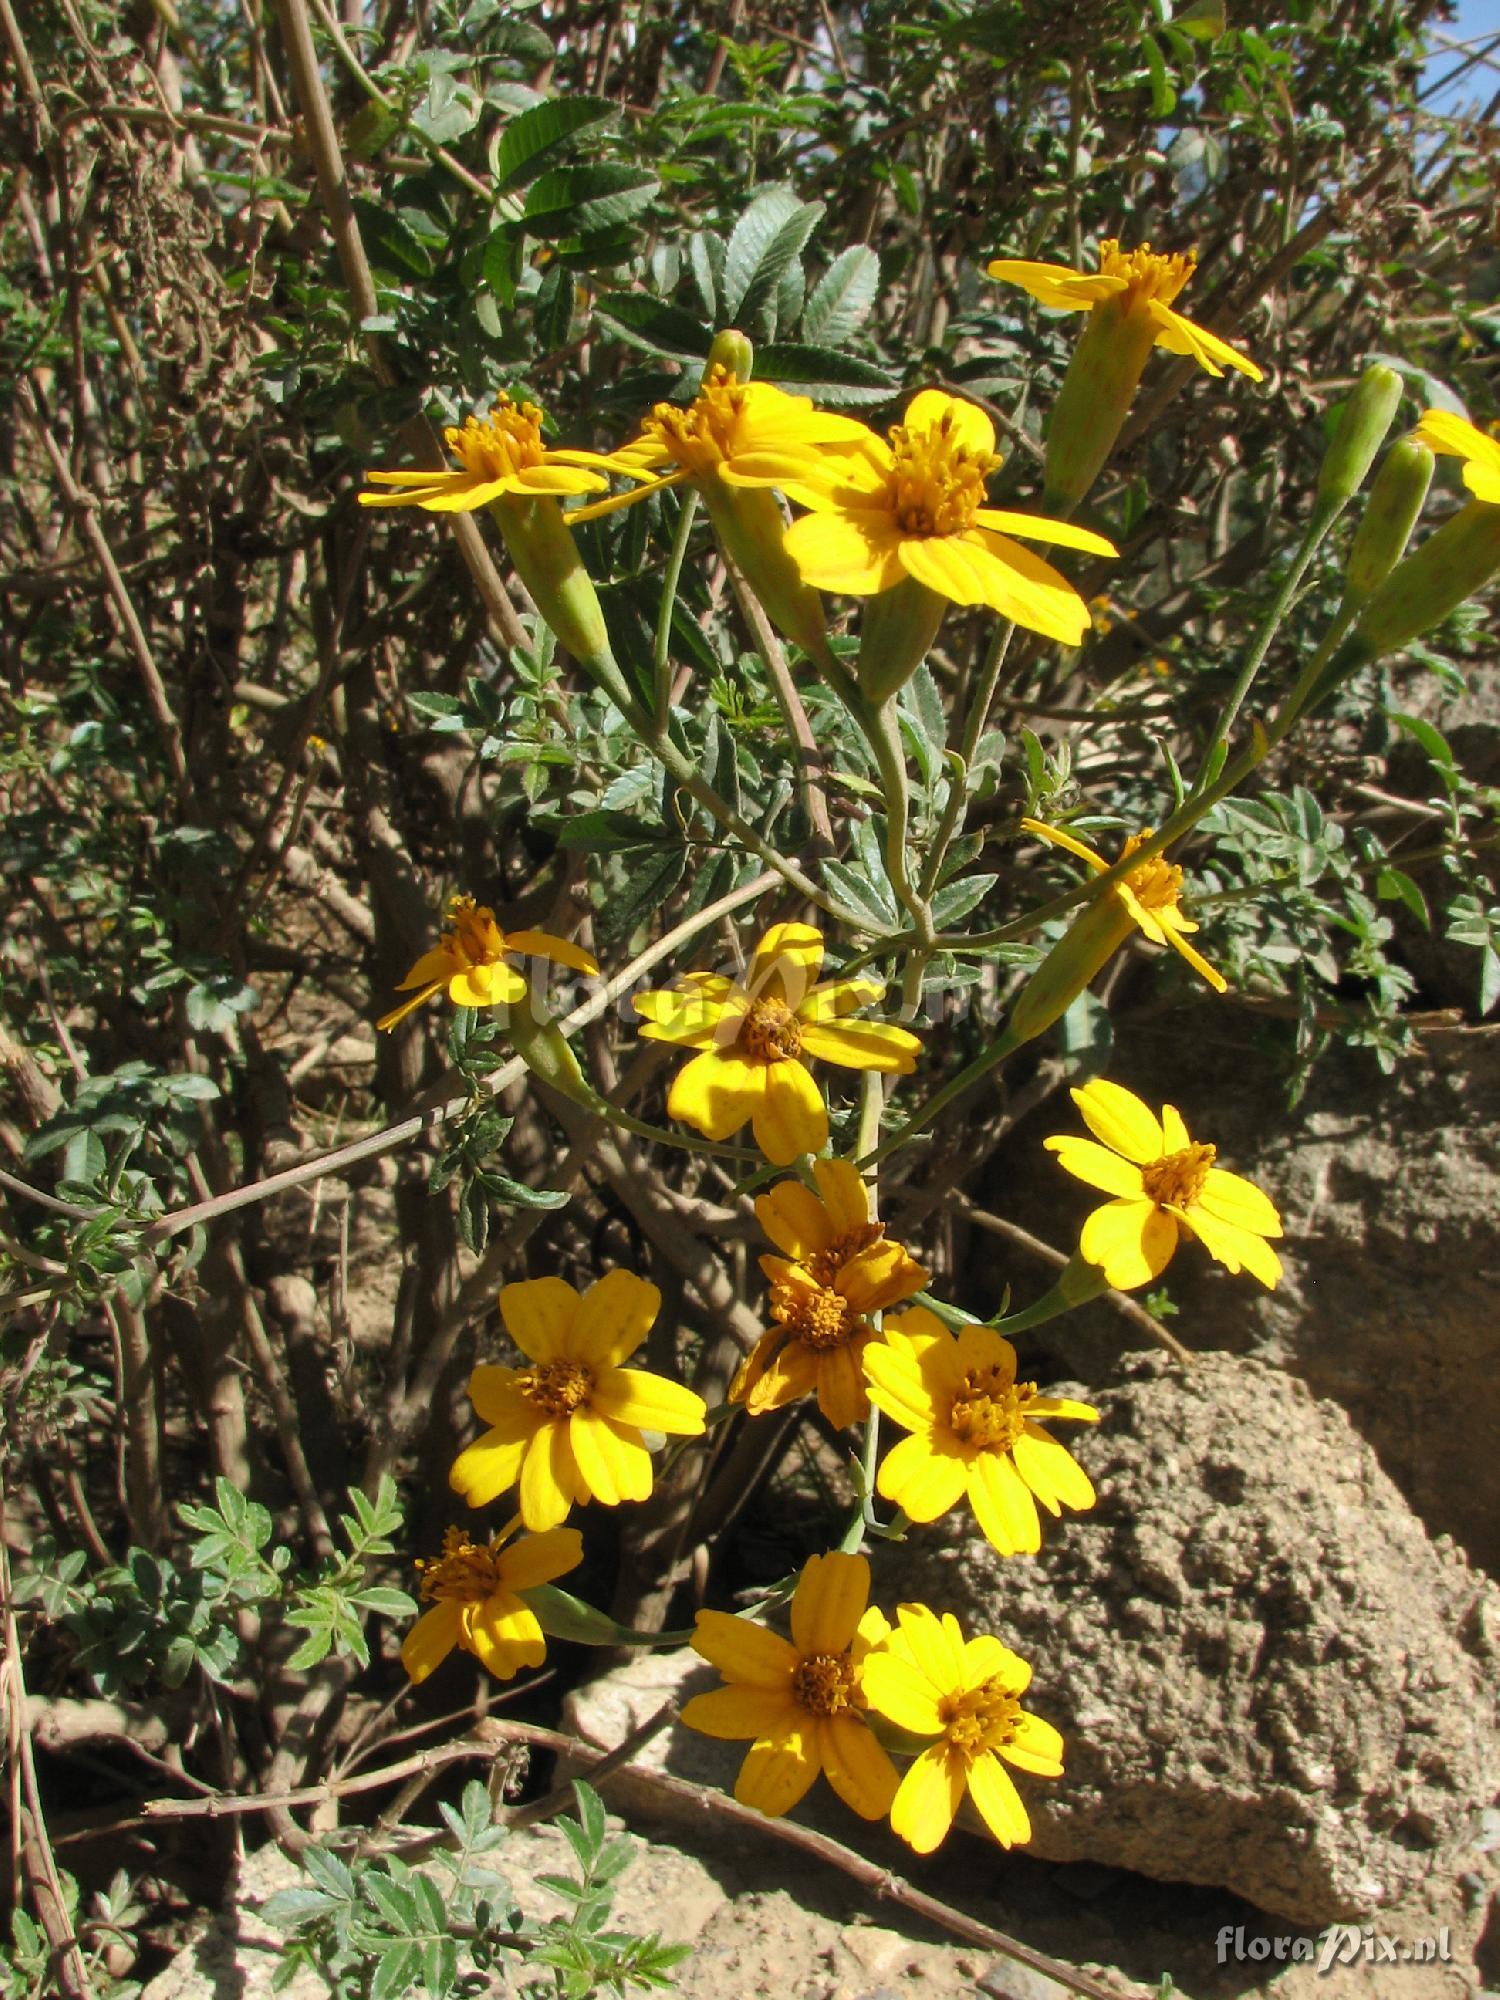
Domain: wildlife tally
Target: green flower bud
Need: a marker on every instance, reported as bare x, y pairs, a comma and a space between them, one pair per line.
1094, 400
1083, 950
1359, 434
733, 351
540, 544
1390, 515
1450, 566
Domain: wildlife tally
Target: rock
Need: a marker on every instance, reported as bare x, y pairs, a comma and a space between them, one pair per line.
1268, 1678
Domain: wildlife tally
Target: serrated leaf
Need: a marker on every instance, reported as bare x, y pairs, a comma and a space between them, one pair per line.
706, 260
653, 326
862, 895
842, 298
329, 1873
576, 201
591, 1814
766, 239
647, 888
396, 1973
533, 141
824, 374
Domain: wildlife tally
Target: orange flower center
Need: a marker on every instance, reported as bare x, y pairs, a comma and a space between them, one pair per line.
771, 1031
989, 1411
466, 1570
1157, 883
826, 1684
1147, 275
1176, 1180
823, 1267
937, 484
702, 436
820, 1319
558, 1387
473, 933
982, 1719
495, 446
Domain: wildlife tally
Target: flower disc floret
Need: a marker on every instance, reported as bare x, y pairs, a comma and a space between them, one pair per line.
1165, 1186
568, 1426
753, 1039
976, 1431
801, 1700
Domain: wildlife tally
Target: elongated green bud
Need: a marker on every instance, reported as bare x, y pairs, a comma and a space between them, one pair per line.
1094, 400
540, 544
899, 628
546, 1052
1083, 950
1419, 593
1390, 515
1358, 435
732, 350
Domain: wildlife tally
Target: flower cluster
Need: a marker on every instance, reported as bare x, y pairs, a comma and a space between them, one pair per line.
805, 502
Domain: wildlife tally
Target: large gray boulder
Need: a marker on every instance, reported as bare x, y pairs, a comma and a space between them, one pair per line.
1268, 1677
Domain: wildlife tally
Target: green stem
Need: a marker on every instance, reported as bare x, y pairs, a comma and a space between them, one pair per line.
981, 1066
882, 728
864, 1515
662, 656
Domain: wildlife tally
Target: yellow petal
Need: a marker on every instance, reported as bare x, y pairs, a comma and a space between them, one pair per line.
542, 944
651, 1402
1233, 1199
1193, 956
1131, 1241
792, 1372
880, 1276
538, 1559
1097, 1166
1003, 1505
898, 1385
930, 1795
987, 1660
432, 1638
499, 1400
979, 1349
878, 1045
1119, 1119
999, 1803
613, 1317
837, 997
486, 986
1455, 436
965, 423
829, 1601
1055, 285
538, 1315
1236, 1249
1051, 1471
689, 1016
777, 1772
1041, 528
592, 1444
856, 1766
558, 479
1021, 585
504, 1636
433, 967
795, 1220
844, 1194
741, 1713
389, 1020
1180, 335
790, 1118
934, 1644
1035, 1746
717, 1091
1175, 1137
785, 964
841, 1386
921, 1478
854, 555
1059, 837
490, 1465
549, 1478
899, 1691
744, 1651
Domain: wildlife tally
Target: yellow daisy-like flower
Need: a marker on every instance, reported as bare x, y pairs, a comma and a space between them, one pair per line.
498, 454
966, 1695
474, 1591
568, 1427
469, 960
1443, 432
751, 1040
1144, 286
975, 1430
1150, 894
1165, 1186
801, 1700
914, 506
837, 1267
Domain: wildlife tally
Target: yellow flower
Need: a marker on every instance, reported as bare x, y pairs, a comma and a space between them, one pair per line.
838, 1267
1151, 894
1443, 432
1164, 1186
474, 1587
469, 959
751, 1040
974, 1429
499, 454
966, 1695
569, 1426
802, 1700
1143, 286
913, 507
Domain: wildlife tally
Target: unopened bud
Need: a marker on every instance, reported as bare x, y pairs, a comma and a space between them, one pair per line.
900, 625
540, 544
1358, 435
1083, 950
1450, 566
1094, 401
546, 1052
1390, 515
733, 351
752, 532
